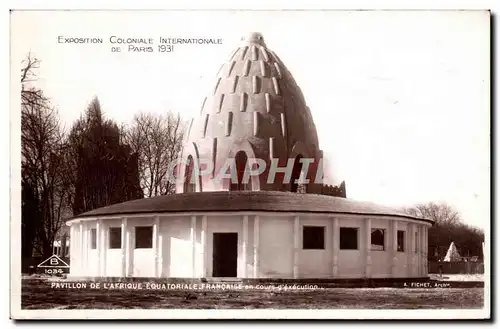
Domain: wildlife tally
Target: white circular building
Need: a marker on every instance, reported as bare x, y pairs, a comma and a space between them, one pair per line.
241, 209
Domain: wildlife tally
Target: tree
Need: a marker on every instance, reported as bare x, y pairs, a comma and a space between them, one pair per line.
31, 95
30, 218
448, 227
105, 168
157, 141
44, 190
440, 213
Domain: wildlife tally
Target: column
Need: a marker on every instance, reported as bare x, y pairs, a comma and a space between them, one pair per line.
394, 251
155, 245
76, 250
124, 246
416, 235
411, 248
82, 249
99, 246
296, 242
193, 246
256, 241
204, 246
335, 245
244, 246
368, 246
81, 264
423, 254
159, 246
418, 250
426, 250
160, 255
128, 250
86, 245
104, 242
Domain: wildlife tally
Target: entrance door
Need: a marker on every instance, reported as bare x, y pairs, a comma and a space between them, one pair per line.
225, 255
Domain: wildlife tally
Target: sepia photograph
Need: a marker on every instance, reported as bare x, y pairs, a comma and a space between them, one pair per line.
250, 164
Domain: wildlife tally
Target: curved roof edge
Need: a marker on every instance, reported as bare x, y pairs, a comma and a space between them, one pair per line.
247, 201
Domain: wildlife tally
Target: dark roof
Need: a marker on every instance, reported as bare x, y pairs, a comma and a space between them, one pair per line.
270, 201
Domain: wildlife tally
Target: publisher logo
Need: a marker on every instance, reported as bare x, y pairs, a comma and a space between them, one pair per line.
54, 265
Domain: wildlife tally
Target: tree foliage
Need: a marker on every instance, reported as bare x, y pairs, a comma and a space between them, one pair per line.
157, 141
63, 175
448, 227
105, 168
45, 192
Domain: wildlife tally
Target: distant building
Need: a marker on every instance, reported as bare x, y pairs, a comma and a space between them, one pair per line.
452, 254
252, 224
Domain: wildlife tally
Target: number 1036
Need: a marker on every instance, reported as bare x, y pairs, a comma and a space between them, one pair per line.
166, 48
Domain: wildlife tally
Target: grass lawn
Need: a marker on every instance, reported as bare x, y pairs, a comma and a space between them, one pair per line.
38, 294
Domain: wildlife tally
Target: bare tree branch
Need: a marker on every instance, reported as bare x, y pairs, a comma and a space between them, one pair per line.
157, 139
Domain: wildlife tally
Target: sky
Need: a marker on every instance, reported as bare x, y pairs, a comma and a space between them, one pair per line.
400, 99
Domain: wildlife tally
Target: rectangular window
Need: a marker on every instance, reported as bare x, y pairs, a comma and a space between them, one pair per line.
313, 237
378, 239
401, 241
143, 237
93, 238
348, 238
115, 237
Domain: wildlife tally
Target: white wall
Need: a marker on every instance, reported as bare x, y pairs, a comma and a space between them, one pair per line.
143, 263
143, 259
382, 259
249, 261
177, 252
352, 262
92, 263
276, 256
316, 263
402, 269
199, 270
73, 271
276, 247
114, 262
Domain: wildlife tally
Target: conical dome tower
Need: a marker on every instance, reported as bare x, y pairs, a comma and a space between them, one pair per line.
254, 111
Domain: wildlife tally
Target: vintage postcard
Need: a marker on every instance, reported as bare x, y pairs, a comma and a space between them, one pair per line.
294, 164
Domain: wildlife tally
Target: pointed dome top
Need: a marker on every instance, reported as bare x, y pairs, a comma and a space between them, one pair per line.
253, 38
254, 107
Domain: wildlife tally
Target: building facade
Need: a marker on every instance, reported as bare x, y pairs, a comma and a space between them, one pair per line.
264, 246
257, 223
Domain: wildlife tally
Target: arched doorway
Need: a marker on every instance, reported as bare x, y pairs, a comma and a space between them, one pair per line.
241, 160
296, 174
189, 183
